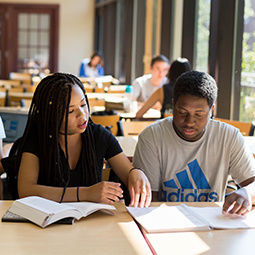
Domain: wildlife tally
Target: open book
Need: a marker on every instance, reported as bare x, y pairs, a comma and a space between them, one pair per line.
186, 218
44, 212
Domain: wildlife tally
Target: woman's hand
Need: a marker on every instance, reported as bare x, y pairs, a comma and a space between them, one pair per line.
139, 188
102, 192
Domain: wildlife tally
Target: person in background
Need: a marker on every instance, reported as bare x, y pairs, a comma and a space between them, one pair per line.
164, 94
92, 67
145, 85
188, 157
62, 152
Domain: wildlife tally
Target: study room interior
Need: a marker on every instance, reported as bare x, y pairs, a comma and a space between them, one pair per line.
39, 38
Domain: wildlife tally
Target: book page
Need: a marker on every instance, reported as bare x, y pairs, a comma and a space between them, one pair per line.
86, 208
42, 204
216, 219
166, 219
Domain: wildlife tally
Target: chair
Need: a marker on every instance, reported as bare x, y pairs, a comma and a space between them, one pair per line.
16, 100
108, 121
244, 127
10, 83
31, 88
22, 77
133, 128
96, 102
2, 101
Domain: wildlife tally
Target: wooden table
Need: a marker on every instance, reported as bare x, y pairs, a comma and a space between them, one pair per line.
214, 242
98, 233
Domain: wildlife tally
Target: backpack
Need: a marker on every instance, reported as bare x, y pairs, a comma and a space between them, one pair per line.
11, 170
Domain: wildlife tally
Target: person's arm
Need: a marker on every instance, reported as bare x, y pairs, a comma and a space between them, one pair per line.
136, 180
241, 201
103, 192
158, 95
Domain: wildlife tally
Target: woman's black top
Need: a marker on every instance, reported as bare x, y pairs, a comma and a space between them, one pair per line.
106, 146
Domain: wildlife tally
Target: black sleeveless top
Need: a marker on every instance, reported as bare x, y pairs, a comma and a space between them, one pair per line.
168, 96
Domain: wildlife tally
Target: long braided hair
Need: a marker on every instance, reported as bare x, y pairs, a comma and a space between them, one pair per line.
49, 107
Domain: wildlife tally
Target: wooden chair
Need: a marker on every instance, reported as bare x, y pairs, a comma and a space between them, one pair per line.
96, 102
15, 100
16, 89
31, 88
2, 101
22, 77
244, 127
109, 121
10, 83
133, 128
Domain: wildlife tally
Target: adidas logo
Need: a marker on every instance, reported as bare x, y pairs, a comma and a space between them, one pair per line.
194, 181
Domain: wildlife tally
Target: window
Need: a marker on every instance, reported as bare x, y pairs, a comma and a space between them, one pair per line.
33, 41
28, 38
247, 100
203, 33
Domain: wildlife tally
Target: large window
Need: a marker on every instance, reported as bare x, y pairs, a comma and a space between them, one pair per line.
247, 102
203, 32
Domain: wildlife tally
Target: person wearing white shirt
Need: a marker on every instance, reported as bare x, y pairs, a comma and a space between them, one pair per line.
145, 85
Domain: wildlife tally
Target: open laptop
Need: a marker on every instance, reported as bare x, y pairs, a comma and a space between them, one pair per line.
14, 120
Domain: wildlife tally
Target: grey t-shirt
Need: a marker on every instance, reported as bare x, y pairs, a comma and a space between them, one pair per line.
193, 171
143, 88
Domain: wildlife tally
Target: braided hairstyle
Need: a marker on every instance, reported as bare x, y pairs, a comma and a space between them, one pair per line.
49, 107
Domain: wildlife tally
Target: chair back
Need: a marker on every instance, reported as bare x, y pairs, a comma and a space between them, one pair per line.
108, 121
10, 83
2, 101
22, 77
134, 128
244, 127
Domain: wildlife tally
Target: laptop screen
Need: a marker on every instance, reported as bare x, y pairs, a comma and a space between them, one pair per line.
14, 120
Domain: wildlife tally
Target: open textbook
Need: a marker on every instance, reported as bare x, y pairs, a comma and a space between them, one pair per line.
186, 218
44, 212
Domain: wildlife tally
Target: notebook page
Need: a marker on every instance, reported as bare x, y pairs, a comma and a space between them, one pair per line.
220, 221
166, 219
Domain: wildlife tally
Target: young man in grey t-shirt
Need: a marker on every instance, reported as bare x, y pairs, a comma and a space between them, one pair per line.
188, 157
145, 85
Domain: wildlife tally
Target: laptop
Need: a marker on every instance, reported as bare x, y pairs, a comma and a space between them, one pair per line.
14, 120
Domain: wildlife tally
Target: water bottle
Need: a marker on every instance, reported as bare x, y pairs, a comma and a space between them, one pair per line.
129, 98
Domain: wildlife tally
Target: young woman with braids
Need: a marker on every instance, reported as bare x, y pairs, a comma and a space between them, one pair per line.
62, 151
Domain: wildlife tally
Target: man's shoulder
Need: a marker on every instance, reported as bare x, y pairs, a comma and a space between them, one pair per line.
222, 129
142, 79
158, 127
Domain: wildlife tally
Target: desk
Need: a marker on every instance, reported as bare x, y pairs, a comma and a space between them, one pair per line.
98, 233
150, 114
214, 242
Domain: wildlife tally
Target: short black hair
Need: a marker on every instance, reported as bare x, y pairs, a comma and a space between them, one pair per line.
159, 58
198, 84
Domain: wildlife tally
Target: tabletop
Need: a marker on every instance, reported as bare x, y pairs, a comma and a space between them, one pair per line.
220, 242
98, 233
